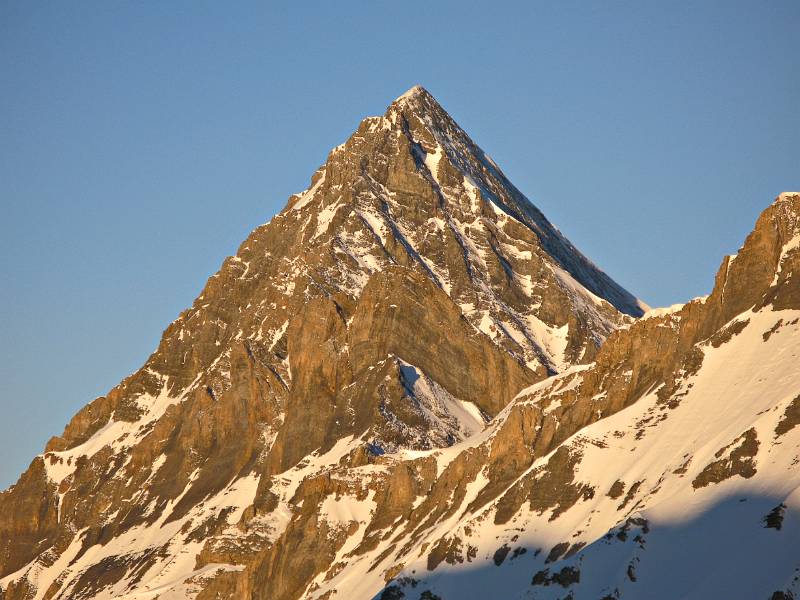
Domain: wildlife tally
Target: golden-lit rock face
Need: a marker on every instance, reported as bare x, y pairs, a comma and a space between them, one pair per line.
356, 347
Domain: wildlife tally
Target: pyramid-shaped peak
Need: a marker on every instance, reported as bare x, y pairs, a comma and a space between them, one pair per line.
414, 92
786, 196
419, 108
417, 100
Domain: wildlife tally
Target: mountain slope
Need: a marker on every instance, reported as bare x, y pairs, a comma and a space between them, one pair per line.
666, 469
394, 307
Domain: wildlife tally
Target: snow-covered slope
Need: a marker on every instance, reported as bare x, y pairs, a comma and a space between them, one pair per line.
695, 496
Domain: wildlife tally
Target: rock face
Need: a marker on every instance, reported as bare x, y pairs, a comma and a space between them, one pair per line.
410, 384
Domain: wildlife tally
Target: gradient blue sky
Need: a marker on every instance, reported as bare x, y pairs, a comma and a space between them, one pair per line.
141, 142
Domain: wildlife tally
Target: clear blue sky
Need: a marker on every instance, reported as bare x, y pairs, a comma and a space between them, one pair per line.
140, 142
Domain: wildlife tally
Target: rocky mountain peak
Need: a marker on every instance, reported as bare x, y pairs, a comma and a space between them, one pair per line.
418, 107
395, 307
786, 197
412, 188
763, 271
413, 92
439, 137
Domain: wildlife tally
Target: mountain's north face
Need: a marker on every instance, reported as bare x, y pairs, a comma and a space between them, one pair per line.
409, 384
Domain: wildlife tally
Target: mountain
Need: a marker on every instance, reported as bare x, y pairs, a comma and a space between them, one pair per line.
409, 384
667, 468
403, 300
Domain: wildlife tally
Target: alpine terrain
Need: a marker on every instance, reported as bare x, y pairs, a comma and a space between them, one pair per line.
410, 384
